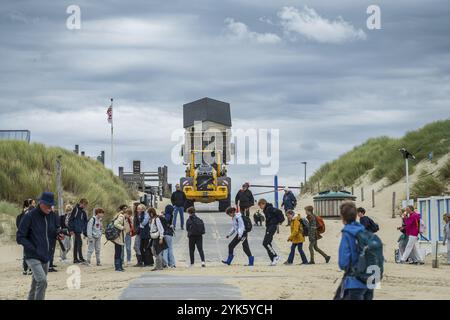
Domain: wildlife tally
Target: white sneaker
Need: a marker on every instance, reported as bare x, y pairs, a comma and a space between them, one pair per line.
203, 264
275, 261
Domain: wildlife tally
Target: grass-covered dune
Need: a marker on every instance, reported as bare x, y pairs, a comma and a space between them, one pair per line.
28, 169
381, 157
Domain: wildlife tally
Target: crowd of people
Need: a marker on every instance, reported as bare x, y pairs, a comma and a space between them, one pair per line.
40, 228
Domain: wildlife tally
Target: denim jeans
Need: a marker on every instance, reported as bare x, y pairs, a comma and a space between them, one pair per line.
127, 247
137, 245
299, 246
179, 210
39, 282
168, 253
358, 294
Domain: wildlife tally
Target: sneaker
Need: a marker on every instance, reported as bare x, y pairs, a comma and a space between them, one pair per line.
99, 264
24, 273
311, 262
52, 270
30, 272
76, 261
275, 261
327, 259
287, 263
203, 264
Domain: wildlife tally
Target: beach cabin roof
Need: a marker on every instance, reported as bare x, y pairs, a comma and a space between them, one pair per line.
327, 203
206, 109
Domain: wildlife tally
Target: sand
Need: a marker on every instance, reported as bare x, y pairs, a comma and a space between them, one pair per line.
260, 282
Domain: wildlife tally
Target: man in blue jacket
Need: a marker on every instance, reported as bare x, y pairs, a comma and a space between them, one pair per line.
289, 202
78, 225
34, 234
348, 255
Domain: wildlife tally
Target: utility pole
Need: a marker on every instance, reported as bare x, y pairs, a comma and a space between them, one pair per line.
304, 181
407, 155
59, 185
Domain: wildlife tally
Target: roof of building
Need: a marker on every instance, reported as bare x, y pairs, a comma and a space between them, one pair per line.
206, 109
333, 195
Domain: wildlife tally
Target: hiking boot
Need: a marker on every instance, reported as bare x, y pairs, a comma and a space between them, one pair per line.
251, 261
327, 259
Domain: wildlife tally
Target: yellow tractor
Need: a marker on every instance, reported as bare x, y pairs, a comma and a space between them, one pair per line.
206, 152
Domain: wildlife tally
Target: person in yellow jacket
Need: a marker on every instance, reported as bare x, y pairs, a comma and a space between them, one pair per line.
119, 223
296, 237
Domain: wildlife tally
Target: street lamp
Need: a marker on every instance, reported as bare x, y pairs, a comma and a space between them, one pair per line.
407, 155
304, 183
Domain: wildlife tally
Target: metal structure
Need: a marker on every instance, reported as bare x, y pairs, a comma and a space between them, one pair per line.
22, 135
327, 203
407, 155
145, 181
276, 188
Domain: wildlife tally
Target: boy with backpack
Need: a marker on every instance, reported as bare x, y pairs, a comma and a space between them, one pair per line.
94, 234
367, 222
241, 225
297, 236
274, 217
195, 230
316, 228
359, 249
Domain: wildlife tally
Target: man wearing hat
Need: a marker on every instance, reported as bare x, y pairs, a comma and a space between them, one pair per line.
34, 235
289, 202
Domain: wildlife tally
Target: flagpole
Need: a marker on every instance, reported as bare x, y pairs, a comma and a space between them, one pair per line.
112, 137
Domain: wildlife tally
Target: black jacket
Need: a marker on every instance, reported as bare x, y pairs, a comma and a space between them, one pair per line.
195, 226
178, 198
270, 212
19, 219
245, 198
34, 234
78, 220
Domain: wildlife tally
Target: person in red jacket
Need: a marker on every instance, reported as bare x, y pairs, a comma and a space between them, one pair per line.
412, 222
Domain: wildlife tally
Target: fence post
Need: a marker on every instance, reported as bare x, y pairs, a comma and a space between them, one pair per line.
352, 190
275, 184
362, 194
373, 198
393, 204
59, 186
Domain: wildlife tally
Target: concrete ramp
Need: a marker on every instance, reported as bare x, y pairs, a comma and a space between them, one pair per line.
164, 287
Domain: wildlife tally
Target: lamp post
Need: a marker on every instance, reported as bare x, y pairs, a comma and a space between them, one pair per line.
407, 155
304, 181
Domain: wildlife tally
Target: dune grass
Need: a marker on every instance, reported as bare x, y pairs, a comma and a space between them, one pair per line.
381, 156
29, 169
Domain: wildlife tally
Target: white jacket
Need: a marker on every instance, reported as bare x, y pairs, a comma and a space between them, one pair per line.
237, 225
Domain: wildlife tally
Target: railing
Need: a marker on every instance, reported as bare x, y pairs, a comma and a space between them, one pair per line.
23, 135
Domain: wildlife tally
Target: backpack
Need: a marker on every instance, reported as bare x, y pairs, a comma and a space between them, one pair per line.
279, 214
373, 227
370, 250
305, 225
320, 224
247, 223
197, 227
111, 232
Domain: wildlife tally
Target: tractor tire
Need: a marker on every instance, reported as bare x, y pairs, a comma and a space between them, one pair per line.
224, 204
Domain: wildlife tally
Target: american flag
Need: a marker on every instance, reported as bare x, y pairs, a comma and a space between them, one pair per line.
110, 114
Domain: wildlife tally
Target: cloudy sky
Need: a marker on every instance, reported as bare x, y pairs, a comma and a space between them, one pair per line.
311, 69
